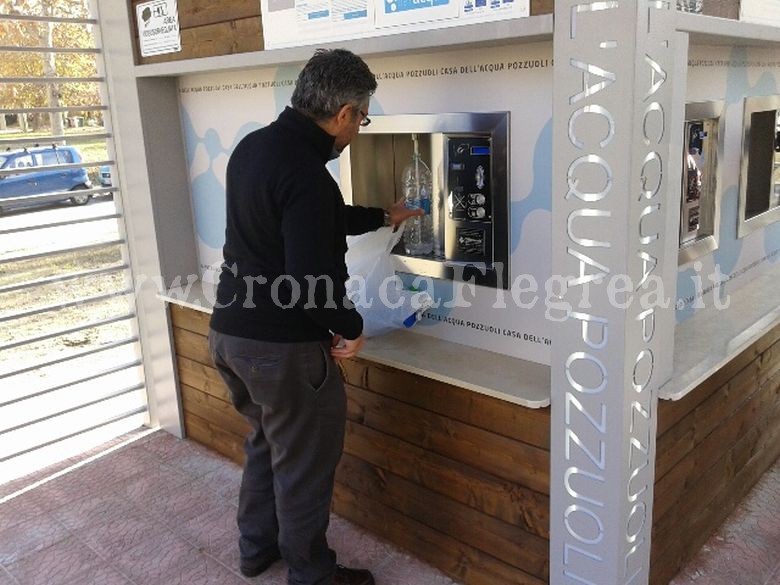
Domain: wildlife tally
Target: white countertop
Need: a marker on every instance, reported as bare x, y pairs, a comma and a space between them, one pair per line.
503, 377
703, 344
711, 338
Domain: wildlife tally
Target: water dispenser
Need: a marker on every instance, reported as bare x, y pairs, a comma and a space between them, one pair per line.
468, 158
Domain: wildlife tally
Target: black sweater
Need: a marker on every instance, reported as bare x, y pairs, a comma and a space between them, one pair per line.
286, 221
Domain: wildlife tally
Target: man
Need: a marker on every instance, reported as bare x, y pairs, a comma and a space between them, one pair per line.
281, 316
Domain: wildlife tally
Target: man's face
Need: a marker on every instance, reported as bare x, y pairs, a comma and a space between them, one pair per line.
349, 124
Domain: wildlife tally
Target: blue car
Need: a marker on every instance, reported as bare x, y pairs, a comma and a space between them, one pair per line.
20, 189
105, 176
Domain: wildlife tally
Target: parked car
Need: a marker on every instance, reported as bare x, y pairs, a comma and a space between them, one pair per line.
18, 189
105, 176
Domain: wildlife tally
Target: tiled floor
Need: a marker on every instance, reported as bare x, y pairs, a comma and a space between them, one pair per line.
150, 509
746, 548
155, 510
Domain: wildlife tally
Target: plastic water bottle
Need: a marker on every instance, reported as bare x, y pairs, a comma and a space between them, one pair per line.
418, 186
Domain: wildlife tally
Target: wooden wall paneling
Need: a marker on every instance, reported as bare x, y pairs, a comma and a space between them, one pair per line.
221, 441
724, 484
192, 346
194, 13
355, 372
509, 543
701, 521
769, 363
486, 493
223, 38
496, 454
695, 464
210, 28
702, 420
722, 8
190, 319
499, 416
218, 413
542, 7
204, 378
462, 562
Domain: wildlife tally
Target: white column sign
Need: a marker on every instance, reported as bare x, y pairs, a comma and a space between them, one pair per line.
158, 27
612, 113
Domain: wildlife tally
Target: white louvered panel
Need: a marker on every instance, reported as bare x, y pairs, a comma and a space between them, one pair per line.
65, 425
71, 372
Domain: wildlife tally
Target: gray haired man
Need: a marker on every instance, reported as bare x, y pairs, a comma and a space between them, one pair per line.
282, 316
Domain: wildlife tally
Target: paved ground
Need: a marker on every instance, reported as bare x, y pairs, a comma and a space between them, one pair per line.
150, 509
154, 511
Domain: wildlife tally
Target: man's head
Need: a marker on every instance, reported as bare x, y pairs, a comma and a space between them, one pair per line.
334, 90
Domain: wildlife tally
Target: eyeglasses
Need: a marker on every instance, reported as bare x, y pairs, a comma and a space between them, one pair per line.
366, 120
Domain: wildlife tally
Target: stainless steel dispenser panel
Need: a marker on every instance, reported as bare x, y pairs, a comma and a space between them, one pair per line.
466, 152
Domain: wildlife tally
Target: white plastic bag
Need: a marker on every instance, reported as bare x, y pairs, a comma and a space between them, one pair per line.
376, 290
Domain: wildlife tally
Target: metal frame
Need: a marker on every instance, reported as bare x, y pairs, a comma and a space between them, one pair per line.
699, 247
497, 273
748, 226
94, 376
113, 345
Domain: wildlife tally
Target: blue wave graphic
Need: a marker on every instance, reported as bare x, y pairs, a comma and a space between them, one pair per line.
540, 196
208, 195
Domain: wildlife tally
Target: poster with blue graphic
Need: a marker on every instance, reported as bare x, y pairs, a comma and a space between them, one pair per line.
403, 12
295, 23
219, 109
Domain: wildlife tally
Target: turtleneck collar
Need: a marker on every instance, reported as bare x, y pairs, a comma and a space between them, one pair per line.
321, 141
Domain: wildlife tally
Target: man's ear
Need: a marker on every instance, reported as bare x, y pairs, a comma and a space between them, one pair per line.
345, 114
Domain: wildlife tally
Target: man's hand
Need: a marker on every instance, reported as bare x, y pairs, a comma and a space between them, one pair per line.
398, 213
345, 348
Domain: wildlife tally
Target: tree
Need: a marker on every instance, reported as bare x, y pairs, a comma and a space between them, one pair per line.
48, 64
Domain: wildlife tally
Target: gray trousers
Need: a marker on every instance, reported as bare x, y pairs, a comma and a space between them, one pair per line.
293, 396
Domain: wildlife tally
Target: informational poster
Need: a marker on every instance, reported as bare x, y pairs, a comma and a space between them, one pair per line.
158, 27
402, 12
289, 23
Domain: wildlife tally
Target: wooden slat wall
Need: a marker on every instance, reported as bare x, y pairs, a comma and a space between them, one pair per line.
459, 479
722, 8
210, 28
713, 446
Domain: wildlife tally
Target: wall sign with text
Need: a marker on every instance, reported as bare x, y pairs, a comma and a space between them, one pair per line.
288, 23
158, 27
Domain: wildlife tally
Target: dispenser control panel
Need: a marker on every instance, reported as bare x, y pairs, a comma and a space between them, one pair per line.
469, 198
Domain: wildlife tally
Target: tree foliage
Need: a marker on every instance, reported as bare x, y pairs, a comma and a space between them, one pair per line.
40, 34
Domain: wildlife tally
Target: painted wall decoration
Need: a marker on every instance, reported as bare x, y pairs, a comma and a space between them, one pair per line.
729, 74
219, 109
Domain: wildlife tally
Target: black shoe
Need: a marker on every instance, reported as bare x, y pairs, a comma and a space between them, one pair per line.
254, 568
345, 576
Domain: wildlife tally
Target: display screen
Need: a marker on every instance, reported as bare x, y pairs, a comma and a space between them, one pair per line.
480, 150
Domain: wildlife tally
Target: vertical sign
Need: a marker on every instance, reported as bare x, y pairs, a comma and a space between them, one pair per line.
612, 106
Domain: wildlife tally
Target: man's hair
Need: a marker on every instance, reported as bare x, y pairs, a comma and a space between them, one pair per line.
331, 79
